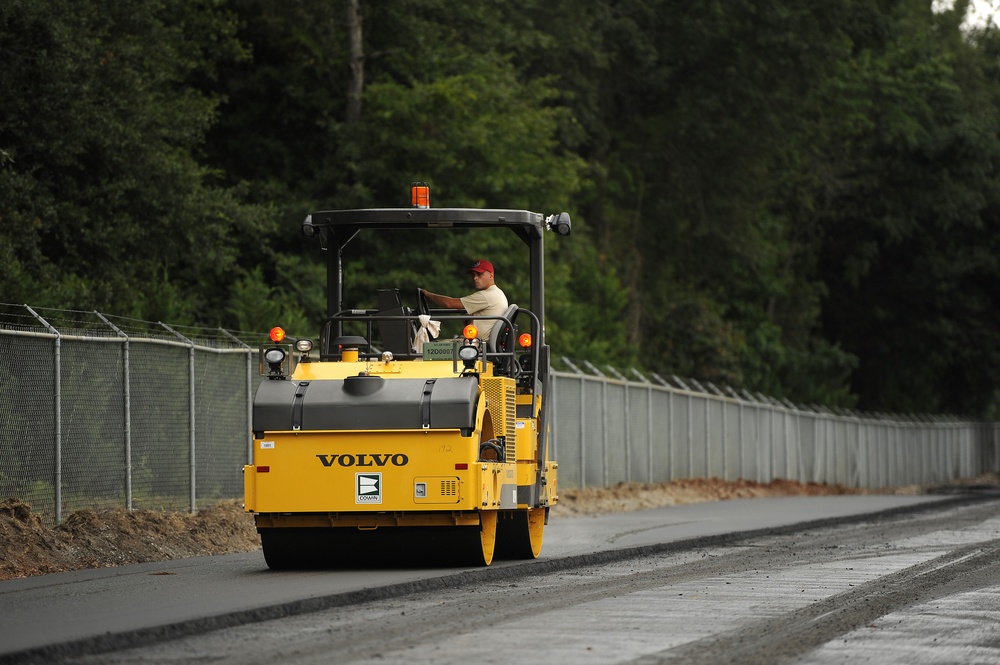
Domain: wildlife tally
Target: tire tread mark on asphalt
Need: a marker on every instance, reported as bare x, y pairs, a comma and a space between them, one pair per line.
798, 632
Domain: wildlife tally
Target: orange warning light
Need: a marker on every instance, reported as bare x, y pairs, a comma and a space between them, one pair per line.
524, 340
420, 195
470, 332
277, 334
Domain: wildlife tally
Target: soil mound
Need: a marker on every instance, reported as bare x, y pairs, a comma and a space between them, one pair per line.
104, 538
99, 539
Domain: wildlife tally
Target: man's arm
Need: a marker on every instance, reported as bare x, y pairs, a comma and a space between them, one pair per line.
444, 301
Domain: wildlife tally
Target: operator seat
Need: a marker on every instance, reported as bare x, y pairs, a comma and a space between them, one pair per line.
397, 336
502, 341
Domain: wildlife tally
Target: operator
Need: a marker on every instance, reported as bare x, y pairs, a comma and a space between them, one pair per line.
487, 300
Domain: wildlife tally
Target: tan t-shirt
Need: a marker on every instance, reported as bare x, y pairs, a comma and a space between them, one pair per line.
488, 302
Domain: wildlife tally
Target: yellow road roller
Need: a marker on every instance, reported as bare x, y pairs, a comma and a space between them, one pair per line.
378, 443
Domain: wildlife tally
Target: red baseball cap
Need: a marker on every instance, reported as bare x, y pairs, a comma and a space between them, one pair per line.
481, 266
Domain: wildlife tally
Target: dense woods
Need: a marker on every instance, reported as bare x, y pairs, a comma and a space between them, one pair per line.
798, 198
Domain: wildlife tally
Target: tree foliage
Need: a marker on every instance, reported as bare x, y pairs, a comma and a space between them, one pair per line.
104, 200
795, 198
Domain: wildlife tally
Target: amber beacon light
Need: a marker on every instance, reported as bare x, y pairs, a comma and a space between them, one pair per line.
420, 195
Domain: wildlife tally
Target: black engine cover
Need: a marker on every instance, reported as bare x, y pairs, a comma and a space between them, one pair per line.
366, 403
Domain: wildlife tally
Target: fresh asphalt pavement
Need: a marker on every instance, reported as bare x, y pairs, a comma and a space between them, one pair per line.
188, 596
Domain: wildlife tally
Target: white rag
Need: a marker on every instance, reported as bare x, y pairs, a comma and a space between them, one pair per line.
427, 330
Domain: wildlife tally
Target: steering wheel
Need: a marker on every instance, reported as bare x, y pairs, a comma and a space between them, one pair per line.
423, 307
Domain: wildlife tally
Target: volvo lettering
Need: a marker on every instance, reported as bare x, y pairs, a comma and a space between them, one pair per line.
399, 459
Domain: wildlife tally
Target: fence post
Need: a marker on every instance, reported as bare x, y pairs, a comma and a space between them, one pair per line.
857, 448
649, 433
996, 448
58, 412
583, 433
627, 412
788, 444
739, 426
649, 423
583, 423
834, 447
671, 447
800, 469
757, 441
670, 426
191, 408
553, 424
690, 431
127, 396
604, 433
628, 436
604, 422
725, 437
249, 391
708, 430
770, 448
817, 465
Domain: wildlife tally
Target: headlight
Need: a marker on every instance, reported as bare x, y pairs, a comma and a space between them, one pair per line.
468, 354
276, 361
304, 345
560, 223
274, 356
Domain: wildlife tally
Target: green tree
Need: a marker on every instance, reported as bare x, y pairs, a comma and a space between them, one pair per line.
449, 108
102, 200
911, 237
699, 116
795, 198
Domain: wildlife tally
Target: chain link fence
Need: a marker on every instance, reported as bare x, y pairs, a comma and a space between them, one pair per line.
99, 412
610, 429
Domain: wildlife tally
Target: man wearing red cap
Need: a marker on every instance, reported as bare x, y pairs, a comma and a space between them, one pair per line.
487, 300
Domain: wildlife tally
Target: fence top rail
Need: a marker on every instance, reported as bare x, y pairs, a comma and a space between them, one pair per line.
786, 407
648, 385
80, 325
243, 349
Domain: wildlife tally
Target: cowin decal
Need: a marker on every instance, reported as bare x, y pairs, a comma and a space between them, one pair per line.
365, 459
369, 487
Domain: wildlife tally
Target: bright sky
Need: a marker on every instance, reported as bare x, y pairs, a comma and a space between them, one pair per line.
981, 12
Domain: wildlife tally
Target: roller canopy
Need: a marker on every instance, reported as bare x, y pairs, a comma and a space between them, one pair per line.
366, 403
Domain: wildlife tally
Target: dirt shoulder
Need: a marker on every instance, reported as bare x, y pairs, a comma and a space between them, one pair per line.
101, 539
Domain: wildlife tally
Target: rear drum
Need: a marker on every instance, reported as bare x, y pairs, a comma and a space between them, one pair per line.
520, 533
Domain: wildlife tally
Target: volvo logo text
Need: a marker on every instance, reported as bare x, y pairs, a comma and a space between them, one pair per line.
365, 459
